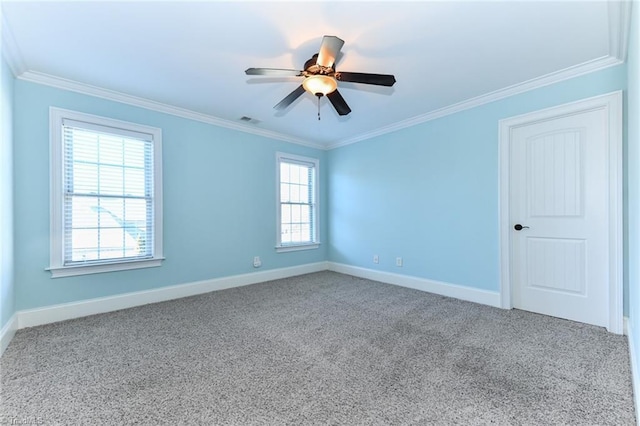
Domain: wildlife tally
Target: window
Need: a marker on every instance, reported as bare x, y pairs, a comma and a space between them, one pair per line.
106, 194
297, 202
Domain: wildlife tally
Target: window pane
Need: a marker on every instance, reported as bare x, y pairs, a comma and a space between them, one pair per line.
111, 211
285, 233
108, 228
134, 153
285, 213
304, 175
295, 233
304, 193
84, 243
111, 180
295, 193
134, 182
284, 193
135, 210
83, 213
305, 214
110, 150
295, 213
284, 172
111, 243
135, 225
84, 145
295, 174
83, 178
305, 232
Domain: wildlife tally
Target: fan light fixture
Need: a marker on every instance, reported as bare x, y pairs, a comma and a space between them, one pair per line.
321, 78
320, 85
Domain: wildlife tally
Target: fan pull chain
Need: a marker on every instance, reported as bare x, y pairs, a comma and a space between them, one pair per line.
318, 108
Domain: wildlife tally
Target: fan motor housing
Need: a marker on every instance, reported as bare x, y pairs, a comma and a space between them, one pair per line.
312, 68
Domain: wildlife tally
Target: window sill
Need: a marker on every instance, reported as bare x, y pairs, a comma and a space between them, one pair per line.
297, 247
70, 271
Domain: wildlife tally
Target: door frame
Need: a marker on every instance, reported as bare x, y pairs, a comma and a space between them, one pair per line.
611, 103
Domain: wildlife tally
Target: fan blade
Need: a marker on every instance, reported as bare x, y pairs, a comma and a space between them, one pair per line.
360, 77
329, 50
339, 103
288, 100
273, 72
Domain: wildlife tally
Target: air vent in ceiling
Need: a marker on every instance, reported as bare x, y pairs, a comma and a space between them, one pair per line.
249, 120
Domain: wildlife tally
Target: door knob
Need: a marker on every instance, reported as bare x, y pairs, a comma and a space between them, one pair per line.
519, 227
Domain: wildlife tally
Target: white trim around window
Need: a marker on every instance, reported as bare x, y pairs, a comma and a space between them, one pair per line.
140, 163
297, 212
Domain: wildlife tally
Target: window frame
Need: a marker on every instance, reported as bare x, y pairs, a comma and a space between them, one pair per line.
315, 230
57, 229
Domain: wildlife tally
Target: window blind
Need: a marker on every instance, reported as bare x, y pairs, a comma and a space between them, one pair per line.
108, 194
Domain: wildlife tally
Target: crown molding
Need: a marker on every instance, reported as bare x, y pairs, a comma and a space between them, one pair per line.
10, 50
548, 79
86, 89
619, 27
535, 83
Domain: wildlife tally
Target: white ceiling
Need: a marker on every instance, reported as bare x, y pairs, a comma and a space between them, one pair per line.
189, 57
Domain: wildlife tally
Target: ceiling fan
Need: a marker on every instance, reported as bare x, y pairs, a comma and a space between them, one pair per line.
321, 77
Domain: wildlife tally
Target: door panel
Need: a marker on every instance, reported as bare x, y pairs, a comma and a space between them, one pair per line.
555, 164
559, 189
557, 264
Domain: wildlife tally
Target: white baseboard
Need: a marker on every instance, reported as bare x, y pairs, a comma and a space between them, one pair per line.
485, 297
635, 378
66, 311
7, 332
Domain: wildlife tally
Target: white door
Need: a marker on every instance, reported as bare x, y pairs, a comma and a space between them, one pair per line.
559, 214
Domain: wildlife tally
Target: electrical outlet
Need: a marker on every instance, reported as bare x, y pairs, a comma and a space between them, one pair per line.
257, 262
398, 261
376, 259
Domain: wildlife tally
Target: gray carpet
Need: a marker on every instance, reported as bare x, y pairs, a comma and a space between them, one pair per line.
323, 349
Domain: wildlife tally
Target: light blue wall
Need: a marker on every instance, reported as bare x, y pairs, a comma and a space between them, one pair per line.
633, 167
219, 201
7, 307
429, 193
